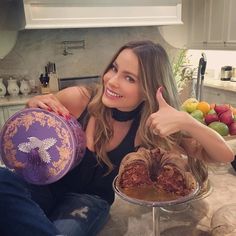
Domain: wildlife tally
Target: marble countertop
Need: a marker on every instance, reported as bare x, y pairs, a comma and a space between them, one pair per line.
194, 218
16, 100
219, 84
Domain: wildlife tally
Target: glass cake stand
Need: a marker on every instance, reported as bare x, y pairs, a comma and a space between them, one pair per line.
155, 204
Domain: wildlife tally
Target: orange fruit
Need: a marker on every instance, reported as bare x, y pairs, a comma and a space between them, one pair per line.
204, 107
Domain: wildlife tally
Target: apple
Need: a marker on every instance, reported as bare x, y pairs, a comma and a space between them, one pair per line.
219, 127
232, 128
212, 111
209, 118
197, 114
190, 105
226, 117
221, 108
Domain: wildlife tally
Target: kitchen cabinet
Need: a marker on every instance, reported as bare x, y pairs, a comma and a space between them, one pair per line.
9, 25
219, 96
7, 111
44, 14
212, 24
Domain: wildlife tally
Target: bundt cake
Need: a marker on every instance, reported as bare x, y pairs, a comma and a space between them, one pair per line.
155, 175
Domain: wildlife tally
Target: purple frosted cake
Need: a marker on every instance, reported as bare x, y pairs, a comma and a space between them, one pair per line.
41, 146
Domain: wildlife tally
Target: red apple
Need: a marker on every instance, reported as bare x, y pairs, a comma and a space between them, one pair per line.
232, 128
210, 118
221, 108
226, 117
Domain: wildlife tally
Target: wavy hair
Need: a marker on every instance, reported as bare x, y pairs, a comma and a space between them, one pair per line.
154, 71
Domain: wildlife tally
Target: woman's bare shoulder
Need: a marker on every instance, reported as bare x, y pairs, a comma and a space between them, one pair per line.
75, 99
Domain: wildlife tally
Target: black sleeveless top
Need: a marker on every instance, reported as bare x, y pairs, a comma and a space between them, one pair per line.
90, 177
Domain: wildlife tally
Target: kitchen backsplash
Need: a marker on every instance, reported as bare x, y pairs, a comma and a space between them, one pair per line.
35, 48
215, 60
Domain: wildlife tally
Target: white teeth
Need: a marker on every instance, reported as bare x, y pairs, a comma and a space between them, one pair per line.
112, 93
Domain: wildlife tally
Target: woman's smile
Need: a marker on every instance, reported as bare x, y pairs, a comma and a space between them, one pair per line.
111, 94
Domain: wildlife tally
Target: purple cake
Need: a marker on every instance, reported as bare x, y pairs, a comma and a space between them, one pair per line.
41, 146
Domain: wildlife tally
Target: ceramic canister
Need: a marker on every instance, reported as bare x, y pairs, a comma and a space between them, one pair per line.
41, 146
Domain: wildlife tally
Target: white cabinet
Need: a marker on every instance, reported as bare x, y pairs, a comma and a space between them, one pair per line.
42, 14
219, 96
212, 24
7, 111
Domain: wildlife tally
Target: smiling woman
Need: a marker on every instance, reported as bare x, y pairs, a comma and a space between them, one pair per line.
136, 96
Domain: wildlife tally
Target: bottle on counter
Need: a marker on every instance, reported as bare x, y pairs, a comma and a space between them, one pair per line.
3, 89
12, 87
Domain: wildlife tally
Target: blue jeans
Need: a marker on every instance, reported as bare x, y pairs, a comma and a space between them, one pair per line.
32, 210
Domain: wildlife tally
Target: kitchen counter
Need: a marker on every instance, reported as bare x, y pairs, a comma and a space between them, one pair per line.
193, 219
17, 100
219, 84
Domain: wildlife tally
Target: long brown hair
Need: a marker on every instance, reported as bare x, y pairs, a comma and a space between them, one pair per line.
155, 71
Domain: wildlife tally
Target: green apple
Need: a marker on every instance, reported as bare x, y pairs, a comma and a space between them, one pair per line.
197, 114
212, 111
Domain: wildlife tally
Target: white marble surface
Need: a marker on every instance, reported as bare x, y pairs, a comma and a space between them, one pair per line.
16, 100
129, 219
219, 84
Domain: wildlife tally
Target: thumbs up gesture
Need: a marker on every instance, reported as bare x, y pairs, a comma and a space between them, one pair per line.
167, 120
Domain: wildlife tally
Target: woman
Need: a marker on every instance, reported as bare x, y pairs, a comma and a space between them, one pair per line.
136, 105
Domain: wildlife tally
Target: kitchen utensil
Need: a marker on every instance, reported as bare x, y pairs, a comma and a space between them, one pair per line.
41, 146
200, 76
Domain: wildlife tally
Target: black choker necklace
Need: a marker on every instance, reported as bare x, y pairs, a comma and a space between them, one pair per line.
126, 115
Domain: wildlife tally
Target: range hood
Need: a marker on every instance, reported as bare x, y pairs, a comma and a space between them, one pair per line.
46, 14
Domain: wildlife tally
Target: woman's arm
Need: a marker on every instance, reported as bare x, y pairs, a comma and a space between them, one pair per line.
69, 101
168, 120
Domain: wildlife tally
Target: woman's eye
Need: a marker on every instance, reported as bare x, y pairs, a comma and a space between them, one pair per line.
130, 79
113, 68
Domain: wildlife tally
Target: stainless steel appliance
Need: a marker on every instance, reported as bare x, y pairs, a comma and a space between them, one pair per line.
73, 81
226, 72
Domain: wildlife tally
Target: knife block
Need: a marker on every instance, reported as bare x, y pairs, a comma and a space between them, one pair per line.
45, 90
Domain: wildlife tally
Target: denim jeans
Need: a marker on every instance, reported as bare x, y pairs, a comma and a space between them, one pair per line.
31, 210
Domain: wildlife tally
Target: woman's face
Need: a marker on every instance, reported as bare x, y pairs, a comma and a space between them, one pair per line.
122, 89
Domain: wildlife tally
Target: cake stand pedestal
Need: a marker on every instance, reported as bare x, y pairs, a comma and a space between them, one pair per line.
155, 204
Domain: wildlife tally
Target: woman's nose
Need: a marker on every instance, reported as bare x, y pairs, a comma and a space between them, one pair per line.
114, 80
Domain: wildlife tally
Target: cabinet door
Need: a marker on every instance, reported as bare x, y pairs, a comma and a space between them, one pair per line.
212, 95
198, 28
230, 32
2, 119
11, 110
217, 20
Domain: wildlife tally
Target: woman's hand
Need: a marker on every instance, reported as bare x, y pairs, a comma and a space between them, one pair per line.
167, 120
48, 102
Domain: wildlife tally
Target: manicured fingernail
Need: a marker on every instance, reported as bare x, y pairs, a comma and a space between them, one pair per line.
59, 113
161, 89
68, 116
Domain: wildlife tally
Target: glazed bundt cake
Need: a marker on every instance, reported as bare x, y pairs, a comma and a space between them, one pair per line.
155, 175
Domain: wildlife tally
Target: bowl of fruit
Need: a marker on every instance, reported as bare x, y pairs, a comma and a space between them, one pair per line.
219, 117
